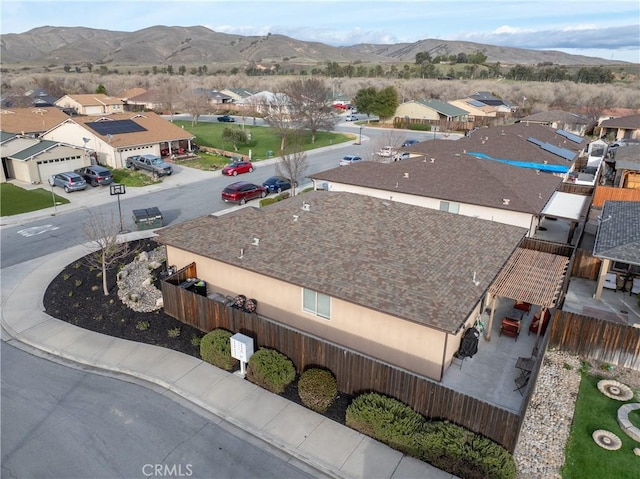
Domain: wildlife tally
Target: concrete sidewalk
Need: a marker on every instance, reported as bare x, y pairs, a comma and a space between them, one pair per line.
331, 449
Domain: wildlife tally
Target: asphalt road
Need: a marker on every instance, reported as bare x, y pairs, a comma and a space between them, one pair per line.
59, 422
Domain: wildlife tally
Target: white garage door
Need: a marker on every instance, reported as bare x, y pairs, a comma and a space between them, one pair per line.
48, 168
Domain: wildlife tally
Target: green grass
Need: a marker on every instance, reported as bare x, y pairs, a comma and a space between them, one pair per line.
585, 459
133, 178
15, 200
263, 140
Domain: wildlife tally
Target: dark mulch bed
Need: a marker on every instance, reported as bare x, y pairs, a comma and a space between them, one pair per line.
76, 296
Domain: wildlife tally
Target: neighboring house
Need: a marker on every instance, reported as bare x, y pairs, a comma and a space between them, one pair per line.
475, 108
623, 128
268, 103
147, 100
125, 96
237, 95
31, 121
500, 105
37, 97
617, 241
113, 138
431, 110
627, 167
34, 160
497, 174
214, 97
397, 282
91, 104
558, 119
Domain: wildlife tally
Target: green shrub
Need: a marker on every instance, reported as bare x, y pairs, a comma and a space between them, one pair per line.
318, 389
215, 348
385, 419
271, 370
420, 126
173, 332
142, 325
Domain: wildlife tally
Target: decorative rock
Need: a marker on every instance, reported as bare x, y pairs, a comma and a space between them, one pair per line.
143, 257
606, 440
636, 451
160, 303
146, 282
135, 281
615, 390
122, 274
155, 264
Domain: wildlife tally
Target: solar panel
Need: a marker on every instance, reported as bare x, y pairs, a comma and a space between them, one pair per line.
115, 127
476, 103
535, 141
556, 150
570, 136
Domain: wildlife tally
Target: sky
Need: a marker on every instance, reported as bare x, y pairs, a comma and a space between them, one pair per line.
607, 29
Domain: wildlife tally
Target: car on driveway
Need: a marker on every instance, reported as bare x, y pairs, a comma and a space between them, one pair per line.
241, 191
277, 184
386, 151
226, 119
95, 175
237, 167
350, 160
70, 181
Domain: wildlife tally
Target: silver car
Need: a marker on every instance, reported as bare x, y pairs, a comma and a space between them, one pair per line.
70, 181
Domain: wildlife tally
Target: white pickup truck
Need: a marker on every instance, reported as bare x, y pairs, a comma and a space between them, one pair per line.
386, 151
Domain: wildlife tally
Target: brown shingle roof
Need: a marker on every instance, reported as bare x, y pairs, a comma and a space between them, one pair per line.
92, 99
31, 120
407, 261
158, 129
627, 122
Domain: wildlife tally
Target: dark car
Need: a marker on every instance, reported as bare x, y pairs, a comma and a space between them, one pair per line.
409, 143
240, 192
226, 119
70, 181
95, 175
237, 167
277, 184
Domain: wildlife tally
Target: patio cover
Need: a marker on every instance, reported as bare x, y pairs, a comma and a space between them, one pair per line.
531, 276
567, 206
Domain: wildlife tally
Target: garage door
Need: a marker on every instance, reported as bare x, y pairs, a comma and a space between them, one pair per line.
48, 168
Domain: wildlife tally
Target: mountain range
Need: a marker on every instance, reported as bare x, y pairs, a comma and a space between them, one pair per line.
197, 45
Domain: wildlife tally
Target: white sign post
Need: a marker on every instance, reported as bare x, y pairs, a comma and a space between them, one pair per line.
242, 350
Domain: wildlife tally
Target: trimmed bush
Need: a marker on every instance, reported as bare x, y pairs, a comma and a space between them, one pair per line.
420, 126
270, 370
215, 348
318, 389
447, 446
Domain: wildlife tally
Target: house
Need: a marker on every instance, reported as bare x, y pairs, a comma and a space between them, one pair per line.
623, 128
489, 99
113, 138
558, 119
147, 100
498, 174
33, 160
617, 243
627, 167
474, 108
394, 281
31, 121
237, 95
91, 104
428, 110
214, 97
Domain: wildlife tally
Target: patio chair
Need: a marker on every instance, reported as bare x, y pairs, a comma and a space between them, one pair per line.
635, 287
611, 281
535, 322
522, 306
510, 327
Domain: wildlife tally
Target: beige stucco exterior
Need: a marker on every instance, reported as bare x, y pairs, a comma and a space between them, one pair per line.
97, 104
416, 111
415, 347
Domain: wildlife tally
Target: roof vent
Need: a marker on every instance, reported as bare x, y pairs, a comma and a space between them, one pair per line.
256, 242
305, 206
386, 203
396, 184
539, 196
406, 174
506, 201
502, 133
433, 160
241, 253
295, 217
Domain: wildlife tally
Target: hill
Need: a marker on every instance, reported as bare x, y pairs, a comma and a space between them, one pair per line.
197, 45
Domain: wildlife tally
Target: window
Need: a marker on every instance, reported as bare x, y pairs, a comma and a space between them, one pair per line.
450, 207
316, 303
624, 267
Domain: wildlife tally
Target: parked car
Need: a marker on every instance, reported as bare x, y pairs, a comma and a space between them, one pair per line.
277, 184
151, 163
353, 109
349, 160
70, 181
351, 118
237, 167
386, 151
240, 192
95, 175
409, 142
226, 119
403, 155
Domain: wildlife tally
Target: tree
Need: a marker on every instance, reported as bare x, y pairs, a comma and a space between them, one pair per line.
101, 89
309, 105
195, 103
386, 102
278, 114
101, 231
293, 162
365, 100
235, 136
423, 57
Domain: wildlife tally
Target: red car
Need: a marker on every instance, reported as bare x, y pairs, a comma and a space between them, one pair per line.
237, 167
240, 192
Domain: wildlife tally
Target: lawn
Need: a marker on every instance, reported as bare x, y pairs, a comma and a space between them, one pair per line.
15, 200
264, 141
133, 178
585, 459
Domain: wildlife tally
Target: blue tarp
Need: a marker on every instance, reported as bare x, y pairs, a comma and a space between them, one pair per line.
523, 164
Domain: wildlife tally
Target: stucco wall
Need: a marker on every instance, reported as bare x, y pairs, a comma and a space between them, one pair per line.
416, 111
412, 346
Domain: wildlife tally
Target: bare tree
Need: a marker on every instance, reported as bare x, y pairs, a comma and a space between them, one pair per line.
293, 162
309, 105
195, 103
278, 115
595, 107
107, 249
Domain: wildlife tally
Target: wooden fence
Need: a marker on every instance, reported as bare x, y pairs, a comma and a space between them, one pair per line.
585, 265
355, 372
604, 193
584, 190
544, 246
596, 339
